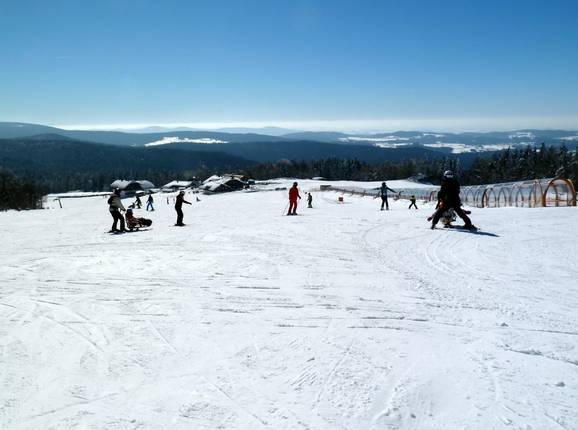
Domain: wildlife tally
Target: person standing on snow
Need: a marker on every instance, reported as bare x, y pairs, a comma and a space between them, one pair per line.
150, 202
178, 208
383, 194
114, 207
449, 198
138, 202
293, 196
309, 200
412, 200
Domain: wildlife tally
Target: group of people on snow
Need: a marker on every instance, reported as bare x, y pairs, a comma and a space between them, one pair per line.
116, 208
448, 205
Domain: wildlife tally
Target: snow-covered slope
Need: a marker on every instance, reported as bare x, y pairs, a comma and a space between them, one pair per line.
342, 318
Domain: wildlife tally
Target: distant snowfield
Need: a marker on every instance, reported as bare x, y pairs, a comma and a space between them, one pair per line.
169, 140
393, 142
374, 139
460, 148
522, 134
342, 318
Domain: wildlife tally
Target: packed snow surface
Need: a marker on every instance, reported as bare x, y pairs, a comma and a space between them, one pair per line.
344, 317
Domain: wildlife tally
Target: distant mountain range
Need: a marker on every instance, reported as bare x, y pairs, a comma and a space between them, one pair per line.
270, 131
71, 158
455, 143
31, 146
447, 143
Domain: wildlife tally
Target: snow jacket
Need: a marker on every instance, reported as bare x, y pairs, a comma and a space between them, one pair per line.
115, 203
450, 193
180, 201
293, 194
383, 190
130, 219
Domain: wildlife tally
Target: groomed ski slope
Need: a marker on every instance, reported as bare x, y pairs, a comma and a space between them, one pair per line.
342, 318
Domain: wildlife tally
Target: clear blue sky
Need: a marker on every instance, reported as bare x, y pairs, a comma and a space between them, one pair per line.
272, 61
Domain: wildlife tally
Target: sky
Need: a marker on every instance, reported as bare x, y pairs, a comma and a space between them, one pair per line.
304, 64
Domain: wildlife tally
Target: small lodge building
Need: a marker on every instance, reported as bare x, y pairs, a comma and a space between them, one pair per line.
225, 183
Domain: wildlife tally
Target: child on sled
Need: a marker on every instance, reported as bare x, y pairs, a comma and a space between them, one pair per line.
134, 223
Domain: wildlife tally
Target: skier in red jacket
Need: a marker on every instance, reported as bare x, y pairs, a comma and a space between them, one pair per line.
293, 195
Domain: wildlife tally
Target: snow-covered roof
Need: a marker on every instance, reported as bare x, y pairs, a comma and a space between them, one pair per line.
177, 184
212, 179
124, 184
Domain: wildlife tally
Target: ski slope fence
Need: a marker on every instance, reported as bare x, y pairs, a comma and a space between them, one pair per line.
530, 194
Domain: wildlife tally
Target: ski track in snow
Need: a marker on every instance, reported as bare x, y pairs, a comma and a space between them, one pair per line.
346, 317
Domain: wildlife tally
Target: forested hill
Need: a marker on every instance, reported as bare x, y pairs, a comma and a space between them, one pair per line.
311, 150
61, 164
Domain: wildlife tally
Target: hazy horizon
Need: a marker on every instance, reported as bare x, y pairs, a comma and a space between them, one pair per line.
441, 125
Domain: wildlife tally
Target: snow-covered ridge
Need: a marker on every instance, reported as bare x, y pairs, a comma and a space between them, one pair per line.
431, 135
522, 134
460, 148
169, 140
373, 139
390, 145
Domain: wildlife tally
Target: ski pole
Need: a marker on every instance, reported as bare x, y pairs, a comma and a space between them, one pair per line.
286, 206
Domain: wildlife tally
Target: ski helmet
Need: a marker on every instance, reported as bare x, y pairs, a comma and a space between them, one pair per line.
181, 192
117, 191
448, 174
129, 211
294, 184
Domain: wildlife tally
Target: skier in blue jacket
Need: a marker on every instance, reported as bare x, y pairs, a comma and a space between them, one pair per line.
383, 193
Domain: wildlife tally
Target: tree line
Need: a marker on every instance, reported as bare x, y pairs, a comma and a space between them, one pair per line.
504, 166
522, 164
18, 193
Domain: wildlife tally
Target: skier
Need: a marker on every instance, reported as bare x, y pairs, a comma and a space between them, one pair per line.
178, 208
383, 194
412, 200
138, 202
293, 195
114, 207
449, 198
309, 200
150, 202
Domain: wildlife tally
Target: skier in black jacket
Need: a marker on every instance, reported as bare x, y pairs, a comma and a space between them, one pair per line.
449, 197
178, 208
